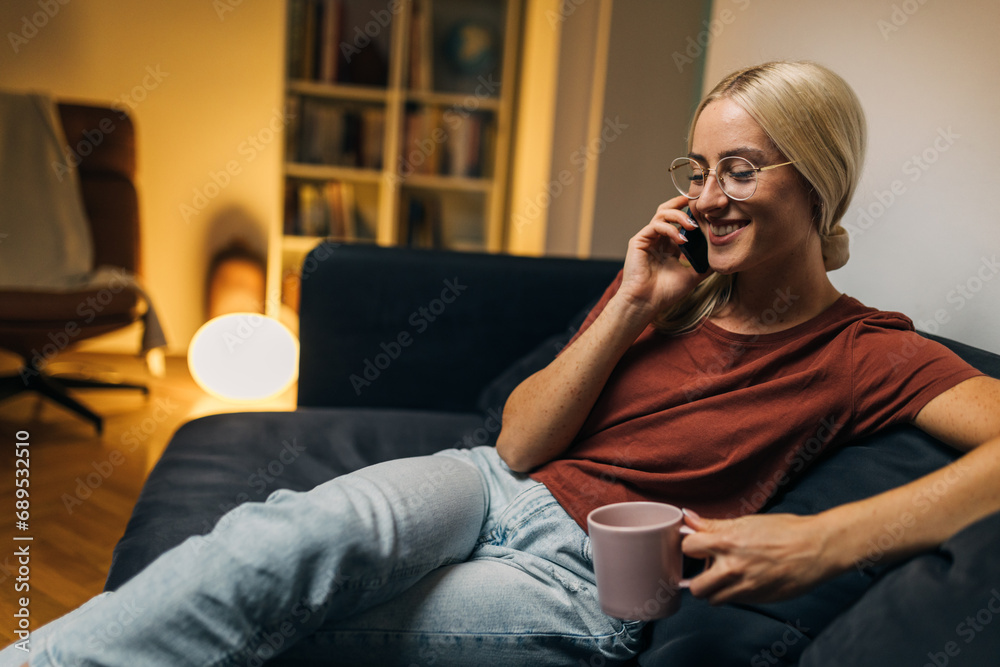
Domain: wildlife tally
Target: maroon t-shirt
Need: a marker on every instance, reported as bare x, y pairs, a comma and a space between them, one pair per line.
718, 421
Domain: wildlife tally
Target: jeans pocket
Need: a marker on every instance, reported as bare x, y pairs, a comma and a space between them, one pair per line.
519, 521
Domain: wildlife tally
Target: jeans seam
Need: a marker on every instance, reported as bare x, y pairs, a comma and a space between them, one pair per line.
371, 583
417, 633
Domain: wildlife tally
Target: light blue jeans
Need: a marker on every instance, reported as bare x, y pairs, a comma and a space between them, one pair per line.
449, 559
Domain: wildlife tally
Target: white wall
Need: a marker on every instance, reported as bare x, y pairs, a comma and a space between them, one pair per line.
218, 82
926, 231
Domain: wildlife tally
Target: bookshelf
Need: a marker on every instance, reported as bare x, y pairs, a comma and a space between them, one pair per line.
400, 123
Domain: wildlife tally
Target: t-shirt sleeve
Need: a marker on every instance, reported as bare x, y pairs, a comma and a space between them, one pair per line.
597, 309
896, 371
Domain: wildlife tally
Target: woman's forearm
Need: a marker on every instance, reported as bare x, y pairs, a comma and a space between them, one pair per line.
917, 516
545, 412
766, 557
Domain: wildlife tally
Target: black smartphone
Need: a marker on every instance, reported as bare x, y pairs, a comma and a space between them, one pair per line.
696, 248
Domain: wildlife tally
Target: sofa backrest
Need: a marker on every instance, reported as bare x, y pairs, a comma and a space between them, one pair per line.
423, 329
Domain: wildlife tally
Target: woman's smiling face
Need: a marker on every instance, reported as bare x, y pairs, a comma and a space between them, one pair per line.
776, 223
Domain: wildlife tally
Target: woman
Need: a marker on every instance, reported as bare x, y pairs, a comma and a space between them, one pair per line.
770, 248
668, 392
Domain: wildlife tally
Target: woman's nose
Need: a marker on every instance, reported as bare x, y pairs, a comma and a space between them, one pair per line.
712, 197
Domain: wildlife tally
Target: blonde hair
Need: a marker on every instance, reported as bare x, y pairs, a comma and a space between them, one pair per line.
812, 116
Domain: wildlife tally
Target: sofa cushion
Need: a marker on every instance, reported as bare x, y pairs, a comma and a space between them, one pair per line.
215, 463
494, 395
941, 608
759, 634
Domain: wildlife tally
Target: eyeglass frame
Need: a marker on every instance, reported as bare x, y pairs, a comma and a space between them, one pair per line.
755, 169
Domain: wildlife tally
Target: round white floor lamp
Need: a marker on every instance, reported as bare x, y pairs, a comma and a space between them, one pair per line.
244, 357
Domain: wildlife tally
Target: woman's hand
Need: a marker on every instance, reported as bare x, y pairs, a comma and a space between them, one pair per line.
758, 558
655, 273
545, 412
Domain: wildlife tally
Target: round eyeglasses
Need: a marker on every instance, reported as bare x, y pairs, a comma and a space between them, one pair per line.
736, 176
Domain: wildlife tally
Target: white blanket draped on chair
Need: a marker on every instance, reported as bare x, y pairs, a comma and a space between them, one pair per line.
45, 239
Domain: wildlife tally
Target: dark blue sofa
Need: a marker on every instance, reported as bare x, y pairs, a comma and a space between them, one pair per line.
405, 352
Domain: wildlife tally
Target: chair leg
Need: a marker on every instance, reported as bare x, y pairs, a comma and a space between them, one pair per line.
11, 385
55, 390
83, 383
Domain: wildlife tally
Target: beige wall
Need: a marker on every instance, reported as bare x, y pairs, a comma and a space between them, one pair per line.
204, 87
611, 128
925, 230
652, 87
577, 85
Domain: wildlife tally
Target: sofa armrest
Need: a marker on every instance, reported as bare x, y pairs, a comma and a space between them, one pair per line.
422, 329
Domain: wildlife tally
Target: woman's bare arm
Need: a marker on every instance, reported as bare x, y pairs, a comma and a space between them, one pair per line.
545, 412
767, 557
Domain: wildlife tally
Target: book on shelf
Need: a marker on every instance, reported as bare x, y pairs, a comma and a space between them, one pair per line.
322, 209
372, 137
486, 150
296, 57
431, 218
342, 210
322, 47
305, 38
464, 144
321, 139
333, 133
422, 211
312, 211
331, 17
423, 139
314, 29
290, 221
444, 143
421, 47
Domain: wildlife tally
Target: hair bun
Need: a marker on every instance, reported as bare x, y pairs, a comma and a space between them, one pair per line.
836, 250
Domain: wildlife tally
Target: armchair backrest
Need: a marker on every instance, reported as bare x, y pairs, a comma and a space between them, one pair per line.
101, 143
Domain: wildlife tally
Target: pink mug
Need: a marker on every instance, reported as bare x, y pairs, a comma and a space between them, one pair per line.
637, 558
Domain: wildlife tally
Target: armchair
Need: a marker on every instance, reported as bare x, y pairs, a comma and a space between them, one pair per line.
36, 324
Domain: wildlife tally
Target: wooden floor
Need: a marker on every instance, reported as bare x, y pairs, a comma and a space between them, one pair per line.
83, 486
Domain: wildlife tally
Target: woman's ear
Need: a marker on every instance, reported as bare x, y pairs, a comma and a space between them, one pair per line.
817, 209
